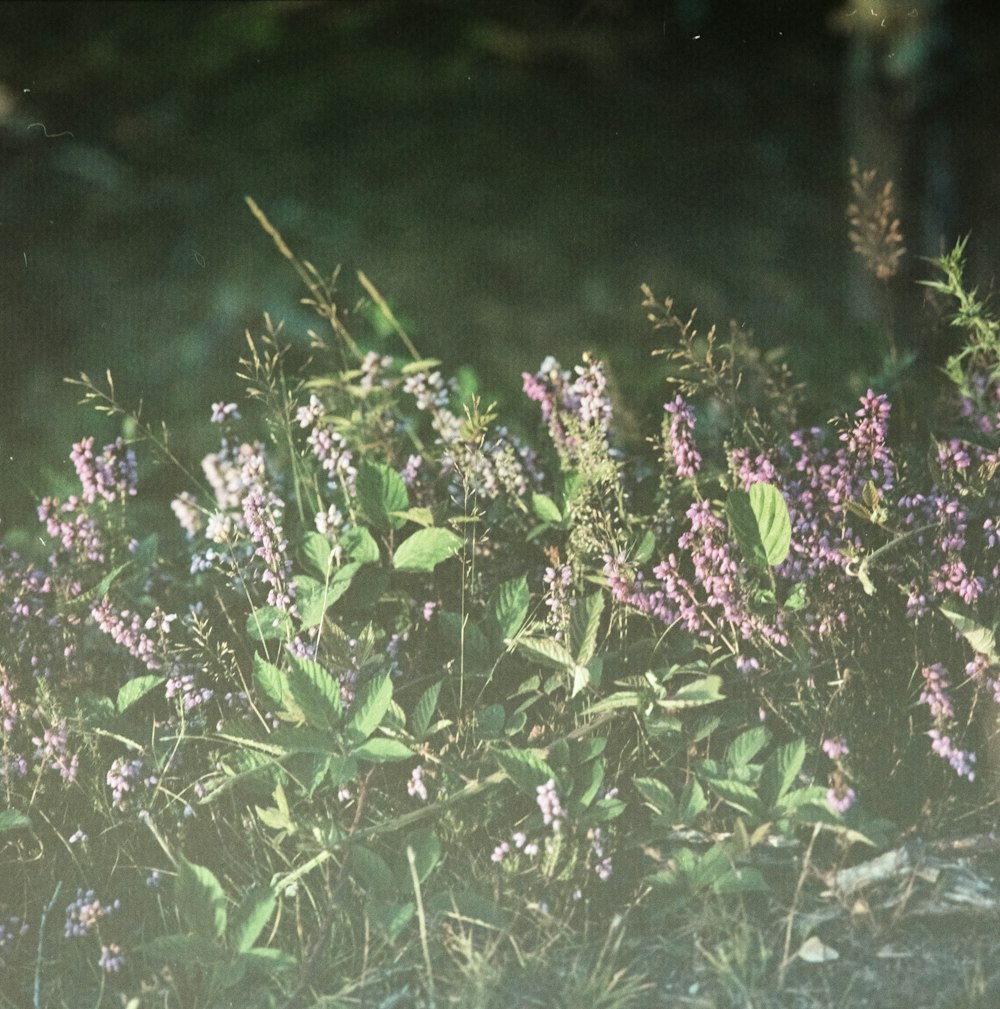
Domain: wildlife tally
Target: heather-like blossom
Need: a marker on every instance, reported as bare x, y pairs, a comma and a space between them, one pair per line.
686, 458
935, 693
12, 929
221, 412
85, 912
416, 786
112, 959
191, 696
836, 747
188, 514
261, 512
961, 760
127, 629
125, 777
111, 476
52, 750
841, 797
549, 804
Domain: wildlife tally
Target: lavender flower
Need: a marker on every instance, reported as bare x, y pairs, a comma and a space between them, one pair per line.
85, 912
549, 804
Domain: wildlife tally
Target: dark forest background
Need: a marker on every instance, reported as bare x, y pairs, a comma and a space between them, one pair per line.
507, 173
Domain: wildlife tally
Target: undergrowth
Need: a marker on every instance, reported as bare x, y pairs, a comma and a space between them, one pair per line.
413, 710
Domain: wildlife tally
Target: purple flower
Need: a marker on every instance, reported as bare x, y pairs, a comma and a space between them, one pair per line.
221, 412
686, 458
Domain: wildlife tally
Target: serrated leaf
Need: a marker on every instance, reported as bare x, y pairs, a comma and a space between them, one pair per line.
509, 606
250, 917
200, 900
382, 493
268, 623
319, 552
706, 690
545, 508
747, 745
13, 819
780, 770
426, 852
761, 523
310, 600
134, 690
490, 721
584, 623
526, 769
692, 801
981, 639
271, 683
372, 871
382, 750
659, 797
738, 795
425, 549
419, 516
546, 652
423, 710
370, 705
359, 544
316, 692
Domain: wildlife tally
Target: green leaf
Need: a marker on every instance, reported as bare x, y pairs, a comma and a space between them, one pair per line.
381, 492
250, 917
265, 962
370, 705
425, 549
744, 879
509, 606
319, 552
426, 852
200, 900
760, 521
738, 795
546, 652
316, 692
525, 768
584, 623
100, 590
981, 639
13, 819
310, 600
372, 871
490, 721
746, 746
692, 802
360, 545
706, 690
135, 690
268, 623
271, 683
780, 770
419, 516
424, 709
545, 508
659, 797
382, 750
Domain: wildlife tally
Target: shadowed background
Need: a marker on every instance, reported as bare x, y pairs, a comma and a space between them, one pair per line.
507, 173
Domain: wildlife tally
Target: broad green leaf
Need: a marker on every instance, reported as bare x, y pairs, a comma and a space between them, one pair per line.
250, 917
372, 871
370, 705
316, 692
419, 516
545, 508
360, 545
135, 690
490, 721
319, 552
310, 600
743, 879
381, 493
509, 606
265, 962
761, 524
587, 782
271, 682
268, 623
780, 770
659, 797
467, 638
584, 623
692, 801
13, 819
425, 549
382, 750
747, 745
426, 852
981, 639
424, 709
525, 768
706, 690
200, 900
100, 590
546, 652
738, 795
